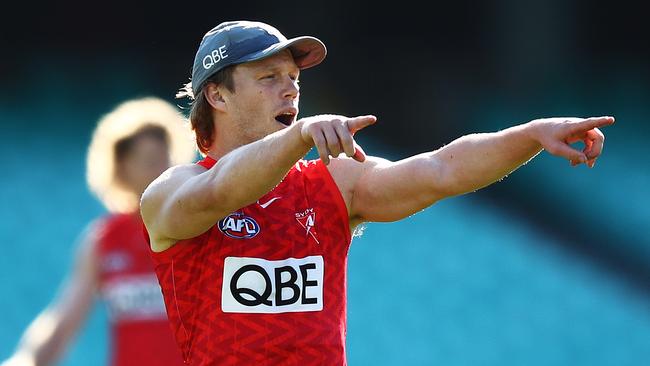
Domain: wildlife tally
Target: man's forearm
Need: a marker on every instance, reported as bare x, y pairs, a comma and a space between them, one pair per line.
477, 160
252, 170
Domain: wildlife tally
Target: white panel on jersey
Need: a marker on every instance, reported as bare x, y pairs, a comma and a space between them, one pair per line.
255, 285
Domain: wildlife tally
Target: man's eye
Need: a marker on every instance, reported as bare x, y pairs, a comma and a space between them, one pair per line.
270, 76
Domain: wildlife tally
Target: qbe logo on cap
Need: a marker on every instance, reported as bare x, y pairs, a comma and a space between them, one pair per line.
254, 285
214, 57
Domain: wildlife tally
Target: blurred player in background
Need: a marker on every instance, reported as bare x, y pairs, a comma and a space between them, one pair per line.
130, 147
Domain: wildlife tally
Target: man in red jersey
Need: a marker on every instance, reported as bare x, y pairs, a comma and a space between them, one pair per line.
251, 243
130, 147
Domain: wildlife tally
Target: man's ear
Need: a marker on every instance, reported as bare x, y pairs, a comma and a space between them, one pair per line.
214, 97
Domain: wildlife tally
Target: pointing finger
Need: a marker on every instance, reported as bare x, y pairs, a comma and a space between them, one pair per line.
357, 123
591, 123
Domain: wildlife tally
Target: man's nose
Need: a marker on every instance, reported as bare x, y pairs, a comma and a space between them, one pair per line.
292, 89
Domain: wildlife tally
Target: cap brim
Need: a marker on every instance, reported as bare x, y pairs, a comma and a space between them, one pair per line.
307, 51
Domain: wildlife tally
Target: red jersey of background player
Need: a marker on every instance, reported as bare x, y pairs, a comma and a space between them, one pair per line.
140, 332
266, 284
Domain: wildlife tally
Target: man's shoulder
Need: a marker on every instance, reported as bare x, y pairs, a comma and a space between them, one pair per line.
170, 180
178, 174
183, 170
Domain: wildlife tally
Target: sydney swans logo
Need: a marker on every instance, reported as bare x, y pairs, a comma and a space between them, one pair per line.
307, 219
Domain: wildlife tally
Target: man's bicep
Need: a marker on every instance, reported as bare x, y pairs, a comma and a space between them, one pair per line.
390, 191
176, 207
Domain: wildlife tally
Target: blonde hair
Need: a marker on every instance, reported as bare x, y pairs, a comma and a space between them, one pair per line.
125, 120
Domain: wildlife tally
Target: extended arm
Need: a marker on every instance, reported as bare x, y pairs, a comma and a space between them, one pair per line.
49, 334
387, 191
185, 202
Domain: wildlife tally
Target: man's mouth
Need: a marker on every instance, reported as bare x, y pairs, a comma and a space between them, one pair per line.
286, 118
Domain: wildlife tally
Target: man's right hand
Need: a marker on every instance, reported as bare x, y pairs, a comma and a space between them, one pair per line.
334, 134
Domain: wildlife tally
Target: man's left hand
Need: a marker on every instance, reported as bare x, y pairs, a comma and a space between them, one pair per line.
557, 134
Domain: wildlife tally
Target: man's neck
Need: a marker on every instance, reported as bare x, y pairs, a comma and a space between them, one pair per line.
220, 149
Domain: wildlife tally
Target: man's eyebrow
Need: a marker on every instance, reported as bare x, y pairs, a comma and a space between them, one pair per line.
276, 68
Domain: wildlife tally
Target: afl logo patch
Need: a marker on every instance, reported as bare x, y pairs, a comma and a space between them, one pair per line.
239, 226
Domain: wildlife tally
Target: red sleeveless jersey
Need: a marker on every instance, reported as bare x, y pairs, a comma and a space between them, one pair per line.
265, 285
140, 331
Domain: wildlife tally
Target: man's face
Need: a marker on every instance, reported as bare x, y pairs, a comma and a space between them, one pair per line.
266, 96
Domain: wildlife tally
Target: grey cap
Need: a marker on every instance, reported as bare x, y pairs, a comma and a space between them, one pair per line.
231, 43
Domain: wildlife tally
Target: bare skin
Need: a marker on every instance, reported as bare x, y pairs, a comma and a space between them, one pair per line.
47, 337
255, 151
